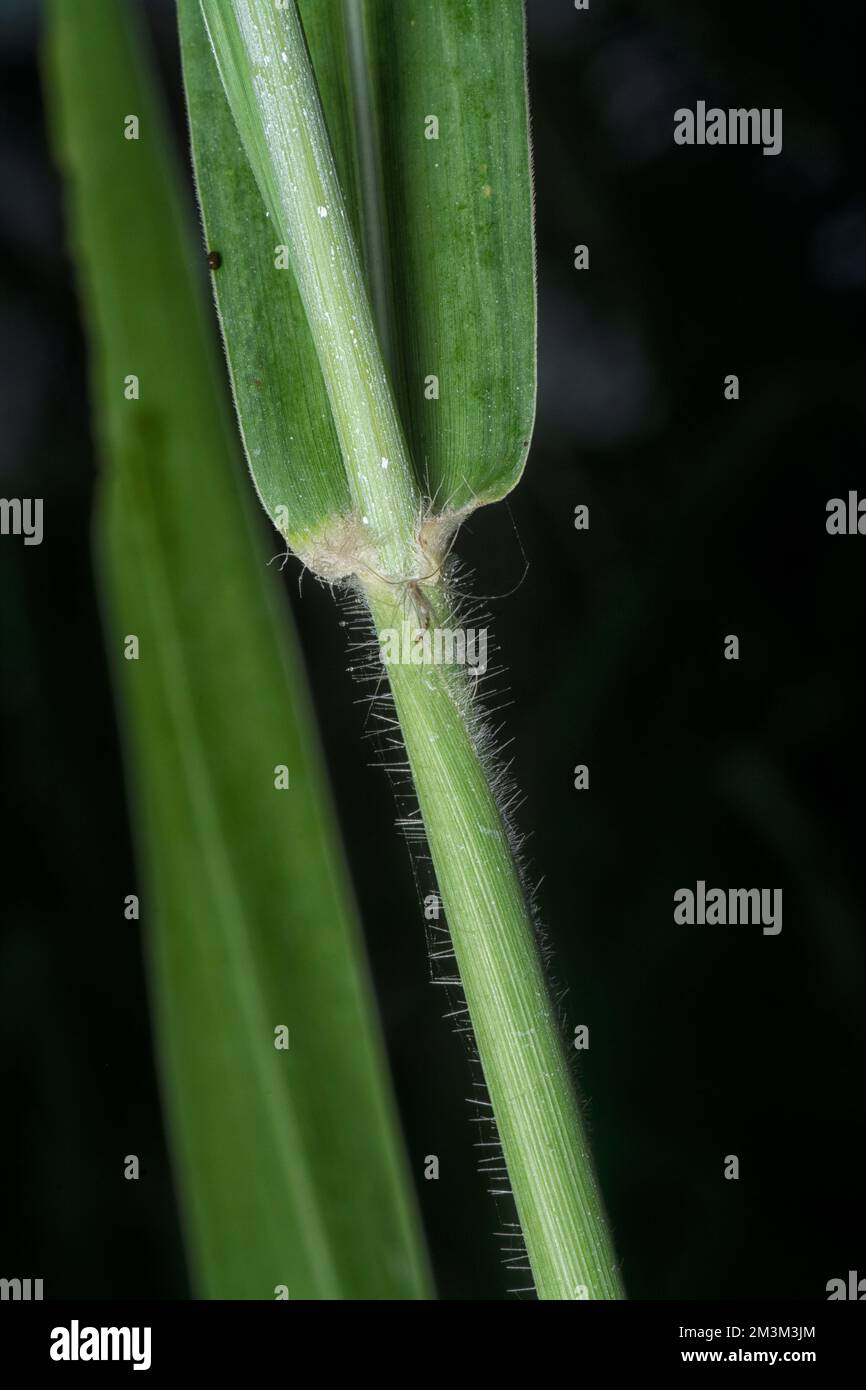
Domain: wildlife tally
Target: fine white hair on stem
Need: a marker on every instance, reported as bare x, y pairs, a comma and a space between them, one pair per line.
479, 700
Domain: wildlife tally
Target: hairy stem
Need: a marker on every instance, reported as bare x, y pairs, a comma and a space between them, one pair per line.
515, 1026
265, 69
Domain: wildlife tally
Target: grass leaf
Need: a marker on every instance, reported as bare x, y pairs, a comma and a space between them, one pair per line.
289, 1161
261, 58
436, 186
447, 84
279, 390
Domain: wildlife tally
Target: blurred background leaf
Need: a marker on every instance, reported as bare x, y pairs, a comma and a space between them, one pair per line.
290, 1161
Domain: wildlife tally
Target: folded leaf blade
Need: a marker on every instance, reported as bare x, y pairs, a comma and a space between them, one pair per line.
261, 58
282, 404
448, 85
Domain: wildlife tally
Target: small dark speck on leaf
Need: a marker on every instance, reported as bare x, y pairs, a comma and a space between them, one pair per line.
214, 260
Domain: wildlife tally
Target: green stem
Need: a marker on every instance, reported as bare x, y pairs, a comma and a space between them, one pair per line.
513, 1018
265, 69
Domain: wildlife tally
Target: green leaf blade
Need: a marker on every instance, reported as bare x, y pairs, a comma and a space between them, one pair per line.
261, 57
459, 237
282, 404
289, 1162
445, 225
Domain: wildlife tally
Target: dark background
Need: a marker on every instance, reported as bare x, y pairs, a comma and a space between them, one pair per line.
707, 518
